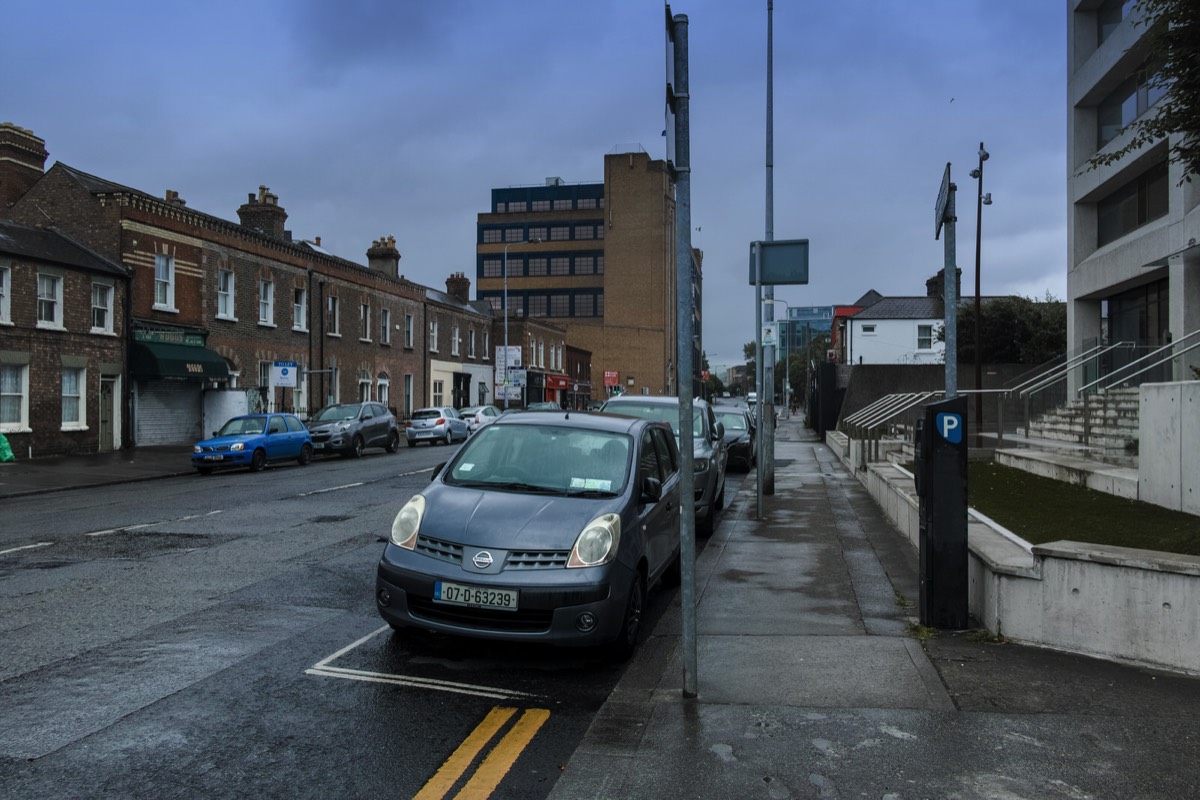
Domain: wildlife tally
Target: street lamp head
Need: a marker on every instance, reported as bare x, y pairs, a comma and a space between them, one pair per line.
983, 154
987, 199
975, 174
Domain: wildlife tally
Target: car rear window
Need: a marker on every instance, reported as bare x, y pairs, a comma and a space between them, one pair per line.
427, 413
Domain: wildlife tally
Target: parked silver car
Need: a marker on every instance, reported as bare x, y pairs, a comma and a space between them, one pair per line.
708, 446
350, 428
435, 425
478, 416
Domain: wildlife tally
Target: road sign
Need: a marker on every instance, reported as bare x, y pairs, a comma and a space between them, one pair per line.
783, 262
939, 209
769, 337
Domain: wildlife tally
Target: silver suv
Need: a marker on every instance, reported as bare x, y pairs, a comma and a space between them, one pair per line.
708, 446
350, 428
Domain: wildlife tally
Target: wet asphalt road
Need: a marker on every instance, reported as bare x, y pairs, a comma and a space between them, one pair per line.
217, 637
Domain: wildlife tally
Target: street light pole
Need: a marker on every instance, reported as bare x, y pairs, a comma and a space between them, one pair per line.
980, 202
786, 364
504, 269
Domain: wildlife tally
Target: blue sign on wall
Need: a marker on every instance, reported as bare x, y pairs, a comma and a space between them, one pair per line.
949, 427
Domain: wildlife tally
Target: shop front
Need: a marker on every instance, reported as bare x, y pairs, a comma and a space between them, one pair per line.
170, 369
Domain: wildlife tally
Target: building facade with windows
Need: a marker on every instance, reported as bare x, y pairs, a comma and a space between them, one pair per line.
597, 259
215, 304
62, 344
1133, 229
459, 336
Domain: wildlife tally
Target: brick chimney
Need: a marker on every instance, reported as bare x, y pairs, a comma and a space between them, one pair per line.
22, 163
172, 197
383, 256
264, 214
458, 286
936, 286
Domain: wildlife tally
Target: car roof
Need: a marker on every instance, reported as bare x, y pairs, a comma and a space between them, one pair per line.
586, 420
652, 400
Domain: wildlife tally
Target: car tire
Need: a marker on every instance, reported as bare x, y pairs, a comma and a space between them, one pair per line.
356, 447
204, 470
258, 460
305, 455
449, 437
393, 442
621, 648
719, 503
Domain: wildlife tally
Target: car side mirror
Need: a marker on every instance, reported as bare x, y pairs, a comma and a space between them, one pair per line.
651, 490
720, 430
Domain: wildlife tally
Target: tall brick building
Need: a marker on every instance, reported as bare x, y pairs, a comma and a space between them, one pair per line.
598, 259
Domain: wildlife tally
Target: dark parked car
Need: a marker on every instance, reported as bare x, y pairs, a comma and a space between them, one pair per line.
539, 529
708, 446
252, 441
350, 428
436, 425
739, 435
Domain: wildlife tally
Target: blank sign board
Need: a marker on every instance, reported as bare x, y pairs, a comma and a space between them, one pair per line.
783, 262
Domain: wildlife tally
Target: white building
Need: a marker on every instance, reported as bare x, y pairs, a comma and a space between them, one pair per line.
1134, 262
897, 330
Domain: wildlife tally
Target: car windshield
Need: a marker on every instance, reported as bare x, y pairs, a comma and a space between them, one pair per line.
543, 459
467, 412
241, 426
337, 413
659, 412
733, 422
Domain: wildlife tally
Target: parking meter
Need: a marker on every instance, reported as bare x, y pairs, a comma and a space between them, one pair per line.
941, 481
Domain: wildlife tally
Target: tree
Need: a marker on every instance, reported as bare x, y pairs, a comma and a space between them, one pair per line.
1016, 330
1173, 39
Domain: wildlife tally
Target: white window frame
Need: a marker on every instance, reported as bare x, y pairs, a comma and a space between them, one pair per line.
21, 424
487, 345
454, 340
926, 337
109, 292
225, 294
408, 395
56, 298
364, 387
364, 322
5, 295
300, 309
408, 331
868, 329
385, 326
383, 390
335, 387
471, 343
433, 335
164, 283
79, 423
266, 303
439, 392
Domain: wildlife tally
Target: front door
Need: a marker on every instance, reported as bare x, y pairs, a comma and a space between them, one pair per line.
108, 413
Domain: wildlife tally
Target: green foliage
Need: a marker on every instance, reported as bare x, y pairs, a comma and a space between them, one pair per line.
1016, 330
1173, 40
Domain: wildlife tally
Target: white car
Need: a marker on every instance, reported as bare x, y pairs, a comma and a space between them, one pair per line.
435, 425
479, 416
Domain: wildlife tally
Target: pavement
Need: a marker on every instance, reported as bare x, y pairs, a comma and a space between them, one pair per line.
813, 676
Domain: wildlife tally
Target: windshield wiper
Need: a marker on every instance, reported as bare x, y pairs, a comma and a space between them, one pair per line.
591, 493
523, 487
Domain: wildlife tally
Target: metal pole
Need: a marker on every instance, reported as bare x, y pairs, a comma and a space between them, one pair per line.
760, 439
684, 353
504, 269
978, 319
767, 429
950, 276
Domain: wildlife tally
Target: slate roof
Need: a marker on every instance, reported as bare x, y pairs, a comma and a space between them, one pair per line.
51, 247
903, 308
469, 307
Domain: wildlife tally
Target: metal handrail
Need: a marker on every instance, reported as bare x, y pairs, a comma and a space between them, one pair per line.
869, 409
1060, 373
1109, 380
902, 404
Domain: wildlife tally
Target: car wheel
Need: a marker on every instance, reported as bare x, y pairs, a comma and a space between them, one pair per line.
258, 460
449, 436
622, 647
720, 501
305, 455
357, 447
204, 470
393, 442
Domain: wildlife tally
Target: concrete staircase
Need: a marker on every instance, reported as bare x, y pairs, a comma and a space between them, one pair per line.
1113, 422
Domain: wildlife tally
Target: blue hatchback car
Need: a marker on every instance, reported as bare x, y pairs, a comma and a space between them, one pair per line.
253, 440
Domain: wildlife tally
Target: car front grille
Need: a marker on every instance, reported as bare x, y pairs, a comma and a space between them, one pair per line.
551, 559
436, 548
218, 449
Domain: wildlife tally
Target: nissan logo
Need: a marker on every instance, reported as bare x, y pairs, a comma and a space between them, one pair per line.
482, 559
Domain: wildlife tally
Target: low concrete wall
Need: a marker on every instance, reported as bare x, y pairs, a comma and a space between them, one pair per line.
1169, 435
1134, 606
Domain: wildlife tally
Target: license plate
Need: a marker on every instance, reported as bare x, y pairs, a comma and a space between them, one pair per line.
318, 445
214, 458
474, 596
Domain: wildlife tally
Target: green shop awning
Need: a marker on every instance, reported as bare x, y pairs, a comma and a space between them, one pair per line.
160, 360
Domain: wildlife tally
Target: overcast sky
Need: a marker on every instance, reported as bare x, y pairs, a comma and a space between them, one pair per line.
377, 117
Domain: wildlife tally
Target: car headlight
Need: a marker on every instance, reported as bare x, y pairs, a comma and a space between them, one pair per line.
342, 426
597, 544
197, 449
407, 523
700, 464
238, 446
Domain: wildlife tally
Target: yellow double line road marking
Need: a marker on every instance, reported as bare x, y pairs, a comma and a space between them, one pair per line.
497, 763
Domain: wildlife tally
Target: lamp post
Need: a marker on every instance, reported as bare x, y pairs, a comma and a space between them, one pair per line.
504, 269
981, 200
786, 364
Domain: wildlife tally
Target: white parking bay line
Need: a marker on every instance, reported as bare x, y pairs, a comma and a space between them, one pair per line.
331, 489
107, 531
324, 667
25, 547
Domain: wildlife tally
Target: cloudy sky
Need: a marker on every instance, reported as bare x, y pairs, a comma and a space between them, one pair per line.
395, 117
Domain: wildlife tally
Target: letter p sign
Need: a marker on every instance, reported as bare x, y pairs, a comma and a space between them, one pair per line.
949, 426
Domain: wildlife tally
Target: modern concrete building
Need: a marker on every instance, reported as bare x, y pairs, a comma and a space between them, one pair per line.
1133, 227
599, 259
